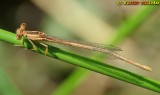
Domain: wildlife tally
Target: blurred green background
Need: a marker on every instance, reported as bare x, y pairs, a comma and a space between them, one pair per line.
86, 20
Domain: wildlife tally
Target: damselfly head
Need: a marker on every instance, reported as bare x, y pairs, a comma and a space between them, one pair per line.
19, 32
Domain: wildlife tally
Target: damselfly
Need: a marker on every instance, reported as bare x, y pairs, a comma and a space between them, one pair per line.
40, 36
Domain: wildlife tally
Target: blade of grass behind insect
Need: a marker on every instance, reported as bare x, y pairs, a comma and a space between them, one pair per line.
73, 81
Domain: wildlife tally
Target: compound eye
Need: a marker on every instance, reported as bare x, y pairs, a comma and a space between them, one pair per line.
18, 37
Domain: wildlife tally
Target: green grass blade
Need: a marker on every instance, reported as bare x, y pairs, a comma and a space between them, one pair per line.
87, 63
67, 90
133, 23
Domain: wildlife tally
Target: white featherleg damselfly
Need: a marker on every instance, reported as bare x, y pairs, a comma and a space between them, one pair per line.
41, 36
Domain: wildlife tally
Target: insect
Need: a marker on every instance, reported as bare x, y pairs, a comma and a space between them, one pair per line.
42, 37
